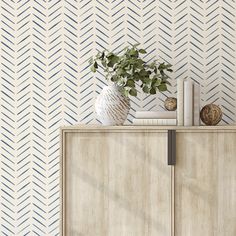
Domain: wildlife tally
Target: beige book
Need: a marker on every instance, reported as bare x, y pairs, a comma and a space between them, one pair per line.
180, 101
188, 102
154, 121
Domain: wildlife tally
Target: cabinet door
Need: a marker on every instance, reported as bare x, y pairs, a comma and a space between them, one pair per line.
116, 184
205, 184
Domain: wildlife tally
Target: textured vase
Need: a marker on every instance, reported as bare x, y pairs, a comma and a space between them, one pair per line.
111, 106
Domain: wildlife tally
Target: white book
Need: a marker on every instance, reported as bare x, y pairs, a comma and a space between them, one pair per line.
188, 103
180, 101
154, 121
155, 115
196, 104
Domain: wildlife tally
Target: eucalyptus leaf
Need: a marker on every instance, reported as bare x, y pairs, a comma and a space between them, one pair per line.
144, 72
133, 53
157, 83
146, 89
110, 54
142, 51
136, 76
93, 69
153, 91
133, 92
112, 60
162, 87
104, 63
130, 83
114, 78
126, 92
120, 71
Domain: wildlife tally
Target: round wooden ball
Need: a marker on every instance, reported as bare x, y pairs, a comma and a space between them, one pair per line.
211, 114
170, 104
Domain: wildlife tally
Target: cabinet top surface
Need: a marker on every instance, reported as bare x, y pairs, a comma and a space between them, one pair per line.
85, 128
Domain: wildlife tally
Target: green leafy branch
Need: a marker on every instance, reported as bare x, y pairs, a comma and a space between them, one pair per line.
128, 70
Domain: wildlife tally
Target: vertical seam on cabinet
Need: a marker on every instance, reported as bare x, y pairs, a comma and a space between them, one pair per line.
172, 201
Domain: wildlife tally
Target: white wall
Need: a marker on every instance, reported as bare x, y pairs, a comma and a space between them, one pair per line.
46, 81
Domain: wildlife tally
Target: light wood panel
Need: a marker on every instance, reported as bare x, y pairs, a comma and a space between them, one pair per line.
152, 128
116, 184
205, 184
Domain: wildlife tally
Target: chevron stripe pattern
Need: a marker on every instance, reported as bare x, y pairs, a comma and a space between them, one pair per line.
46, 82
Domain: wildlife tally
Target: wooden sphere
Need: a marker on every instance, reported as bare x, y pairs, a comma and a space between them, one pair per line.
211, 114
170, 104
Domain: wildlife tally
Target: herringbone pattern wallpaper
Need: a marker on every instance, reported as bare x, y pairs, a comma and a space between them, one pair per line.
46, 82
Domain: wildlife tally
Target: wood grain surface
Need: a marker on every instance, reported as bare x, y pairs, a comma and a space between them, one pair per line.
116, 184
205, 184
116, 181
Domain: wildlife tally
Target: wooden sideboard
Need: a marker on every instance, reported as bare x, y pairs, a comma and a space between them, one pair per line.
116, 181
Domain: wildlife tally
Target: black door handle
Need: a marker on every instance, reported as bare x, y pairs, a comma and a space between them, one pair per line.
171, 147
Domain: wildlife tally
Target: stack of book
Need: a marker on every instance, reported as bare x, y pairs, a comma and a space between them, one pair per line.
188, 108
188, 103
155, 118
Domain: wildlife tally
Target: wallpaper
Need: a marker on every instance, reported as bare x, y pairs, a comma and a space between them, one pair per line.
46, 82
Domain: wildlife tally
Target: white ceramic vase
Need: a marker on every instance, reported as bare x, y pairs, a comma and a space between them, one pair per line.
111, 106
